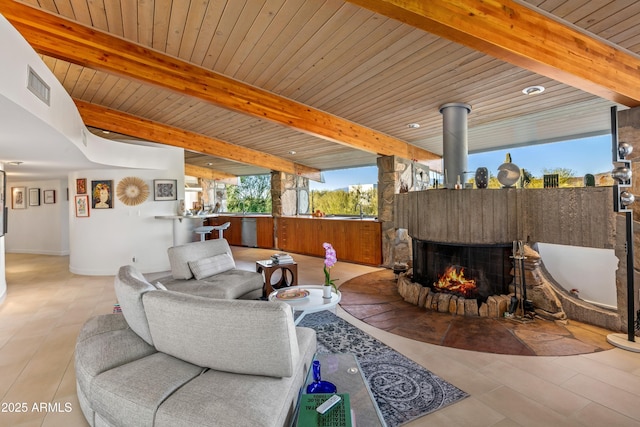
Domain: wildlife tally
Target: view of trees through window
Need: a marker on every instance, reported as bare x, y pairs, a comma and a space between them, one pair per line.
352, 191
252, 194
351, 201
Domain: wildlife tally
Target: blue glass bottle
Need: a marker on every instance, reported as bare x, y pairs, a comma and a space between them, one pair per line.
318, 385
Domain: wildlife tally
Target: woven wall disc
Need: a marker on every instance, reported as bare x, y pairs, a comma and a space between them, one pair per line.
132, 191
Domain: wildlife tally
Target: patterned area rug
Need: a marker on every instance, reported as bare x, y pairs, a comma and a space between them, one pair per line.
403, 389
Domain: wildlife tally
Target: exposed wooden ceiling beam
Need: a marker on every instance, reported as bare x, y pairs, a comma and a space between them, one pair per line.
206, 173
526, 38
60, 38
117, 121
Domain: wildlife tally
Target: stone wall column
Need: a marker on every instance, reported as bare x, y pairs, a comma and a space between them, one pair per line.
395, 175
284, 196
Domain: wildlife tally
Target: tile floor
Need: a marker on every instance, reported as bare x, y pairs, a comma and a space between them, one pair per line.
46, 306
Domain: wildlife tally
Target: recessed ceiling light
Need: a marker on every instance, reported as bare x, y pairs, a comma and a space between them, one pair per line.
209, 164
413, 125
292, 152
533, 90
106, 132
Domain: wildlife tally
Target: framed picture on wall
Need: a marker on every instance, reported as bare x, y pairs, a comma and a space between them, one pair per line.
102, 194
165, 189
49, 196
18, 197
34, 197
82, 206
81, 186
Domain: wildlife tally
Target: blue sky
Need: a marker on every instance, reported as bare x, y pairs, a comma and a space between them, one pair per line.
582, 156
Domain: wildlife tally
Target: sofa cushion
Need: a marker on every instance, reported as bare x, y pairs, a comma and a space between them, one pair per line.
232, 284
130, 285
179, 256
247, 400
130, 394
245, 337
106, 342
210, 266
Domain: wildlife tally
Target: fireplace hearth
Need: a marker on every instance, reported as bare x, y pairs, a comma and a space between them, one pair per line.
470, 271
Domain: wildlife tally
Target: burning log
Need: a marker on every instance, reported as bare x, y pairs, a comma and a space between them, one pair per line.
453, 281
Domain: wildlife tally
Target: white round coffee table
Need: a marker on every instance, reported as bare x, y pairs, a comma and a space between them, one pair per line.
309, 304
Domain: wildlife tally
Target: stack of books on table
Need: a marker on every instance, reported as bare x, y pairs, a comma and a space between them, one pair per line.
282, 258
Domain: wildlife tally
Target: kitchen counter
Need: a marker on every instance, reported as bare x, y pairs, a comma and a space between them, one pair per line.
336, 217
240, 233
355, 239
181, 217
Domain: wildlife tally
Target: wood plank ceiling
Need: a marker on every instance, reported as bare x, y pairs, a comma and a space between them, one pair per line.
341, 59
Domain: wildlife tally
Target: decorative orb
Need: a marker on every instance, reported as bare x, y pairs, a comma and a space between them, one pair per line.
627, 198
622, 174
624, 149
508, 174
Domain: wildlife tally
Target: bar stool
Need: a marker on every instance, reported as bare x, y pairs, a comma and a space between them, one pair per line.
203, 231
221, 229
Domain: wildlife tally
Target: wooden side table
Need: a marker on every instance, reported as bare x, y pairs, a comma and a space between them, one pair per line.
289, 275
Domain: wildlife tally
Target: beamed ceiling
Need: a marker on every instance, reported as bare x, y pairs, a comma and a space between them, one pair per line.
242, 85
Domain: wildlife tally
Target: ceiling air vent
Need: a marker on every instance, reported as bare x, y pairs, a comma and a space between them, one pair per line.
38, 87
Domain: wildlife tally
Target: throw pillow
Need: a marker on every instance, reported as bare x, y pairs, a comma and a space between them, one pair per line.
160, 286
207, 267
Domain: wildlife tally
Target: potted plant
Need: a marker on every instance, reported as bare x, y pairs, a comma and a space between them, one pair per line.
329, 261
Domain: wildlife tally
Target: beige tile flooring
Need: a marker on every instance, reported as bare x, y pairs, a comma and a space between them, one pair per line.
46, 306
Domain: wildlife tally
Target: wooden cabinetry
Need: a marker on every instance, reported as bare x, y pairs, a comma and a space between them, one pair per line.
354, 240
233, 234
264, 227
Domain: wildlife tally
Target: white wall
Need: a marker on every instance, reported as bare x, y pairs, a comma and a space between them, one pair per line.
592, 271
42, 229
110, 238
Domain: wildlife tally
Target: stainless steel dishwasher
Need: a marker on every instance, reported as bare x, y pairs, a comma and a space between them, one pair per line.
249, 232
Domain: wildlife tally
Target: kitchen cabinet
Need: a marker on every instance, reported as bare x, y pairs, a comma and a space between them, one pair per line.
264, 229
355, 240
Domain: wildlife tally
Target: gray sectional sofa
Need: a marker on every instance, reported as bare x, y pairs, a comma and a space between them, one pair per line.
175, 359
209, 270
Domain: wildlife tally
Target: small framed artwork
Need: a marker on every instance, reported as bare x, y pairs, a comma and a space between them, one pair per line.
18, 197
81, 186
102, 194
165, 189
34, 197
49, 196
82, 206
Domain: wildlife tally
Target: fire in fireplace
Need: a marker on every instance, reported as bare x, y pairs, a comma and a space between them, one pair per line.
453, 281
488, 267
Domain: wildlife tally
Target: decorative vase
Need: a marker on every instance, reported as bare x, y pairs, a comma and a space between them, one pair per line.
326, 292
482, 177
589, 180
318, 385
